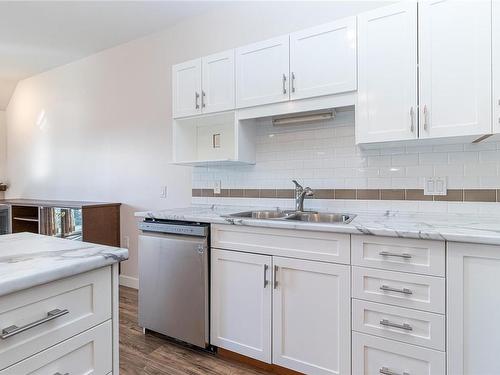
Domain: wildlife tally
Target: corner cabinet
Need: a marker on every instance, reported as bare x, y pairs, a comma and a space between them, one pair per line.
387, 89
455, 68
454, 71
496, 66
203, 85
473, 273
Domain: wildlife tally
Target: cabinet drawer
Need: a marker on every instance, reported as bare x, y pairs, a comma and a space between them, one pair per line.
374, 356
86, 297
398, 323
399, 254
327, 247
401, 289
87, 353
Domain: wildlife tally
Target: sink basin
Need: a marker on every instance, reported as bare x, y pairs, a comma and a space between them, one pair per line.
309, 216
264, 214
322, 217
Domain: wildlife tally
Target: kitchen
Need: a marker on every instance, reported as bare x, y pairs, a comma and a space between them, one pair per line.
205, 187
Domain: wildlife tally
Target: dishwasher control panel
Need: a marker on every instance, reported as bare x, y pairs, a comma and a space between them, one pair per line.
183, 228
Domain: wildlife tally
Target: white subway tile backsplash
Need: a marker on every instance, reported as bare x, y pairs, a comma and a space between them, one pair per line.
325, 156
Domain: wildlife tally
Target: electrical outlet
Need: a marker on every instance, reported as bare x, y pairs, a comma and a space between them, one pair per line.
163, 191
217, 187
435, 186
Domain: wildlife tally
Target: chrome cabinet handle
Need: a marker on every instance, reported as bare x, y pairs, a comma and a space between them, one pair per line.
196, 97
265, 275
387, 323
14, 330
387, 288
284, 84
412, 116
426, 125
386, 371
276, 277
58, 373
389, 254
293, 82
203, 99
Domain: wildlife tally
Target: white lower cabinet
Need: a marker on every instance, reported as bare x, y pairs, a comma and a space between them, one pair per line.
375, 356
86, 353
473, 277
310, 305
311, 316
241, 303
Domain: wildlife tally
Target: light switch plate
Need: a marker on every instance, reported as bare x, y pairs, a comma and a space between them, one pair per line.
217, 186
435, 186
163, 191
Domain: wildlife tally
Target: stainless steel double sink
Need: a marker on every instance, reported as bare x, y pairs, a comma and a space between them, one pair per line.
303, 216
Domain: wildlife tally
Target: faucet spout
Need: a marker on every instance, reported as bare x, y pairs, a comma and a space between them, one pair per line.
300, 194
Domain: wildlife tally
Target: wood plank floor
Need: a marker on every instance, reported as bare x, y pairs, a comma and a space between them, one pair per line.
152, 354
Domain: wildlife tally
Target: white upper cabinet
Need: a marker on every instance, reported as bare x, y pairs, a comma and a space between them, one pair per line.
496, 66
323, 59
311, 316
218, 82
455, 68
262, 72
387, 71
241, 303
186, 82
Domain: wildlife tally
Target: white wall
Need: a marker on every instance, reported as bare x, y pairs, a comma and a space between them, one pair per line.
100, 128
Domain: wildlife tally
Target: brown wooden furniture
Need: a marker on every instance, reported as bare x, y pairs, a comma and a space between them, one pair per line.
100, 221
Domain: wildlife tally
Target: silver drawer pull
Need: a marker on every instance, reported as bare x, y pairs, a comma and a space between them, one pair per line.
386, 371
387, 288
388, 254
14, 330
388, 323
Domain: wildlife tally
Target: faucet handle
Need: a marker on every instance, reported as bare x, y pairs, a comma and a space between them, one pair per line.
309, 192
297, 185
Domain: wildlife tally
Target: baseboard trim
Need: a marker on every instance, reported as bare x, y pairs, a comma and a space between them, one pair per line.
128, 281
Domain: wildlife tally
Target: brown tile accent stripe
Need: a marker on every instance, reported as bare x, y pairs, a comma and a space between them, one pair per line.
454, 195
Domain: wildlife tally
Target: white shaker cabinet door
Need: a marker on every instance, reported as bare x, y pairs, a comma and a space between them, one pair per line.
473, 327
186, 82
262, 72
455, 68
311, 316
241, 303
323, 59
496, 66
218, 82
387, 74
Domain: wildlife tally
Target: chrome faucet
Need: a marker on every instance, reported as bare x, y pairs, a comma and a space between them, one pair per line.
300, 194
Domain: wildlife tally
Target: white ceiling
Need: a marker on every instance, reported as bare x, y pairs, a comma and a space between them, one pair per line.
39, 35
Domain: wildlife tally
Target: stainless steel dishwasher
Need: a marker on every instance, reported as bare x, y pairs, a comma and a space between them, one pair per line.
174, 280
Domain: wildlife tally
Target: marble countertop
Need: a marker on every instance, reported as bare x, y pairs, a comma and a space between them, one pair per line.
27, 259
449, 227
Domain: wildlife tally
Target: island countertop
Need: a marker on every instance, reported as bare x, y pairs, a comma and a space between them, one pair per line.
27, 259
431, 226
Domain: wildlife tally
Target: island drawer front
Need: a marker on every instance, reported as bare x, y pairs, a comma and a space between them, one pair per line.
86, 296
309, 245
87, 353
374, 355
401, 289
399, 323
399, 254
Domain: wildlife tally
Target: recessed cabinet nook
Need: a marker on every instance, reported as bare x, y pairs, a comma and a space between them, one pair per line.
414, 71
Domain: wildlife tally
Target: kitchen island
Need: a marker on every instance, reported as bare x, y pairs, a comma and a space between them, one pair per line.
58, 305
